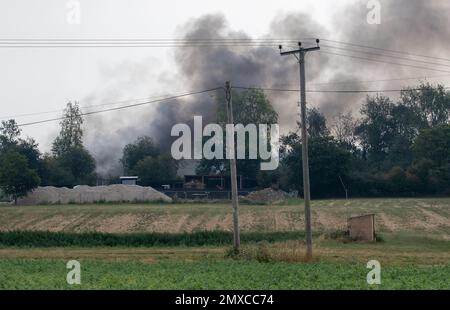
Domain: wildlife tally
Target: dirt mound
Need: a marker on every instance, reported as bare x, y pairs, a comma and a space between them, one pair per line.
88, 194
267, 195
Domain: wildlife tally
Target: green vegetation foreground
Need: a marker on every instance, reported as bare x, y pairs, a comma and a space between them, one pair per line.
51, 274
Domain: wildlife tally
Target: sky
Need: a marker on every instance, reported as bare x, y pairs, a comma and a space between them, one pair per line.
35, 80
44, 79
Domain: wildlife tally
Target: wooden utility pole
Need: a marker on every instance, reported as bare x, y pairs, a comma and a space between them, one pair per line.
301, 52
234, 187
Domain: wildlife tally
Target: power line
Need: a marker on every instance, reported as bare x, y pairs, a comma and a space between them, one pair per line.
184, 42
387, 62
382, 80
153, 40
211, 43
188, 94
143, 46
330, 91
44, 43
124, 107
386, 50
268, 89
83, 107
384, 55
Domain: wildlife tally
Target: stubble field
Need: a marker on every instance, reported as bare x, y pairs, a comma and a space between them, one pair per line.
187, 246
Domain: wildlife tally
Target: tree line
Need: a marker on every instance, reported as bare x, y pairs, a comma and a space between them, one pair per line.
23, 167
394, 148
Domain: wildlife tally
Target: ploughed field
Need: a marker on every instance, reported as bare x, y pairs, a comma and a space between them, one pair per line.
391, 215
187, 246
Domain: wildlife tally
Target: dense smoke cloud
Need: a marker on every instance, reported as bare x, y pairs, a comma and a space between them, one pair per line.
416, 26
421, 27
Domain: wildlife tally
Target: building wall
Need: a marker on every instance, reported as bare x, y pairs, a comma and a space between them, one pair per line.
129, 182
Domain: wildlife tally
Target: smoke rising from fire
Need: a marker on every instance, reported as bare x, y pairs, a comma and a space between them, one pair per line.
421, 27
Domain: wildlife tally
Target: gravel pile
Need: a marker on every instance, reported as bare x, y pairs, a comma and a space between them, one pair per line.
88, 194
267, 195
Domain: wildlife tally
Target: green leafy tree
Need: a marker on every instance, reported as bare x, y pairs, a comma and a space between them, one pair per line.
16, 178
71, 133
327, 164
434, 144
9, 133
397, 181
134, 152
431, 104
376, 129
316, 123
54, 174
432, 149
71, 163
154, 171
29, 148
249, 107
423, 171
10, 141
80, 164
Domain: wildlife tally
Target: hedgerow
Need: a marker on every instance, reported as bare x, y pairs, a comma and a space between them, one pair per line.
92, 239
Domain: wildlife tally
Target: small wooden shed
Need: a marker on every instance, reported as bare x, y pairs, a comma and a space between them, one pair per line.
362, 227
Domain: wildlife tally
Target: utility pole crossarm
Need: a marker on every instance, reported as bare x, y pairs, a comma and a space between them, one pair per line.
304, 50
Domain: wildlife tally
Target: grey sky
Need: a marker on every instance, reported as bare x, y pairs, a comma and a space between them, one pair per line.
35, 80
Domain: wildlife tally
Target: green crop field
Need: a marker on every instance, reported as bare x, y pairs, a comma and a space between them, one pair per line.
187, 246
51, 274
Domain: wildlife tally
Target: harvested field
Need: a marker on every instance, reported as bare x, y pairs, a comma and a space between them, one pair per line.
391, 215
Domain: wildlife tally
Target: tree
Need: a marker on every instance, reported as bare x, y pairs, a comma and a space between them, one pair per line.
154, 171
430, 103
80, 164
316, 123
29, 148
9, 133
16, 178
71, 133
71, 163
328, 163
376, 129
75, 167
423, 170
434, 144
54, 174
406, 126
432, 149
343, 130
249, 107
10, 141
144, 159
134, 152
